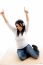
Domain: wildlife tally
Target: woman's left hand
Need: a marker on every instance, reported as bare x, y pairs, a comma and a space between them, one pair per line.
25, 10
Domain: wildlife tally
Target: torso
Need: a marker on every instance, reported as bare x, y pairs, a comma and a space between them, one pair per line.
21, 40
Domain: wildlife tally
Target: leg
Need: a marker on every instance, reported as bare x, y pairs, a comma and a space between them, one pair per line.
31, 51
22, 55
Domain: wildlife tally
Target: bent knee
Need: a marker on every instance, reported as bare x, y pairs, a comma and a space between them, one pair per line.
35, 57
22, 58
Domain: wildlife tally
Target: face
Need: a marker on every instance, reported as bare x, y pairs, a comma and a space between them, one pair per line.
19, 27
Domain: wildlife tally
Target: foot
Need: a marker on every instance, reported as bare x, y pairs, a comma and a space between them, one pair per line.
36, 49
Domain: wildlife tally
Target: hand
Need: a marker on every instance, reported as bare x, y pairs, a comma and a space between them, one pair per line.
2, 13
25, 10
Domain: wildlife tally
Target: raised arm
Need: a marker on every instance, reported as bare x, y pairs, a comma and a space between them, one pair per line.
27, 18
26, 13
6, 21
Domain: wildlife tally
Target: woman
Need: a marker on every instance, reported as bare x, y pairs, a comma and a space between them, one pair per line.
24, 50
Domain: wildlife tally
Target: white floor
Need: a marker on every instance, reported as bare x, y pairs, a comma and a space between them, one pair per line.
12, 58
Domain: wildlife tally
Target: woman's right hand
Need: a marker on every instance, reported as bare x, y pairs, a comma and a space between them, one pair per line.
2, 13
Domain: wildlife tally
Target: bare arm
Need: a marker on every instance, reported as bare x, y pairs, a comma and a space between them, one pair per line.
26, 13
27, 18
6, 21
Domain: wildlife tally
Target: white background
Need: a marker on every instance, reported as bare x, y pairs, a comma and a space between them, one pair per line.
14, 9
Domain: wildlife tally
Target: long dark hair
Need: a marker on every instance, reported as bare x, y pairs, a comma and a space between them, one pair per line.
18, 22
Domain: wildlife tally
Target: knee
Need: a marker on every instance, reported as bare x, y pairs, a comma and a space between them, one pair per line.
35, 57
22, 56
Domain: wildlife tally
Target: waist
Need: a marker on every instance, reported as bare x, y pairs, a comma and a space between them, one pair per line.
21, 45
